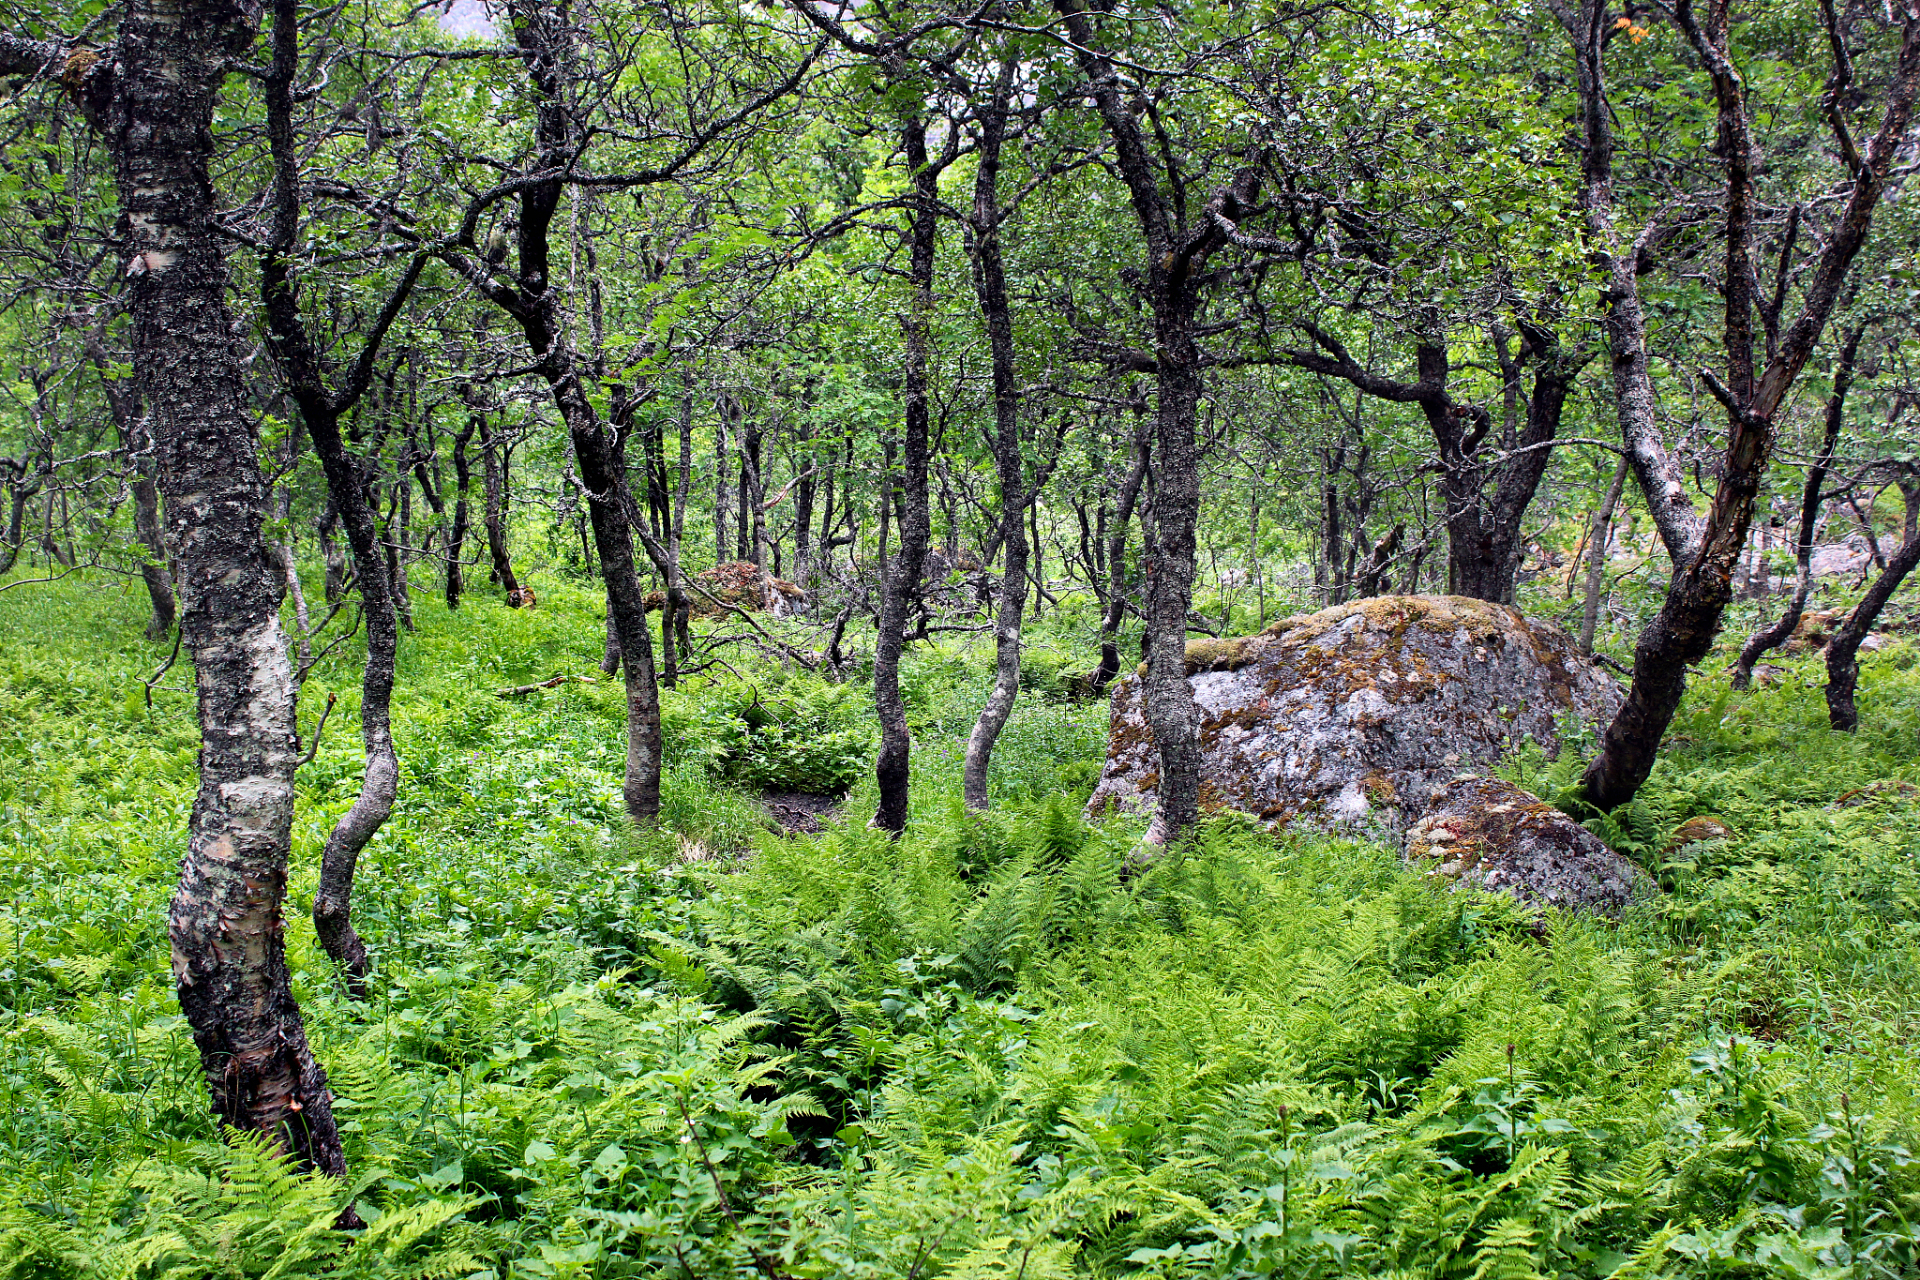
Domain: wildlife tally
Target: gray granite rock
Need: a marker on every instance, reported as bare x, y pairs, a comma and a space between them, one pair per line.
1489, 834
1352, 717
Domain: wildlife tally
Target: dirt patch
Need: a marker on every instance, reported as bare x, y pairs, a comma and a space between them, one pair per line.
801, 812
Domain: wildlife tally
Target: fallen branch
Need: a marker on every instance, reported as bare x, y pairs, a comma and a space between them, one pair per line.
552, 682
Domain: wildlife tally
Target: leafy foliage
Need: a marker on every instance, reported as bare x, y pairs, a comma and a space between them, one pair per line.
1000, 1046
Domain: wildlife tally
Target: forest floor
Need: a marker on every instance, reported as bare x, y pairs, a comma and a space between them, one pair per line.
714, 1050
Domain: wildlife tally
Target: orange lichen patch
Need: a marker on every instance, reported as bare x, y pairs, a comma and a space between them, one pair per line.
1459, 840
73, 71
1698, 831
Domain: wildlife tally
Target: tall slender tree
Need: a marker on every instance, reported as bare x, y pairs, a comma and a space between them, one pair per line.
152, 93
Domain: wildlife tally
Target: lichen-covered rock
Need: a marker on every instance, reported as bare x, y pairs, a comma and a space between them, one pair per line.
1490, 834
1699, 830
1354, 715
740, 583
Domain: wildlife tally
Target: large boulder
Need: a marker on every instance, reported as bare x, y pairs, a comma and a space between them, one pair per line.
1353, 716
1488, 834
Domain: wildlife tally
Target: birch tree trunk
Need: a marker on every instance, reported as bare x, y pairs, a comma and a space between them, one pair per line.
1176, 255
1705, 549
1768, 638
153, 97
1597, 558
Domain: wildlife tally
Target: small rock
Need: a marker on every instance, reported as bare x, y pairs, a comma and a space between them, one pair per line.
1490, 834
1698, 831
1812, 632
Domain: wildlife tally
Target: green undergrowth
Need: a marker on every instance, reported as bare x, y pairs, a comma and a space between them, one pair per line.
998, 1047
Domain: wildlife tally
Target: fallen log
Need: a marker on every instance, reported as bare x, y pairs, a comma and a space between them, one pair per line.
551, 682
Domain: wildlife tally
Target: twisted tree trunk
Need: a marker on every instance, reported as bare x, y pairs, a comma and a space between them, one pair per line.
902, 582
380, 578
153, 96
1704, 550
990, 287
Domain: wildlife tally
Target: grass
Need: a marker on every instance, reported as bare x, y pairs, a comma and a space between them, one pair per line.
989, 1049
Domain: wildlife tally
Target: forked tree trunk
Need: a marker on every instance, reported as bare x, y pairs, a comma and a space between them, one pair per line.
1768, 638
348, 484
1597, 558
1485, 530
1843, 651
902, 578
1704, 551
153, 95
535, 303
1176, 256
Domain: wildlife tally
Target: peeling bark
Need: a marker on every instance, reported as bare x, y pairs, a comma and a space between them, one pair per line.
153, 100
